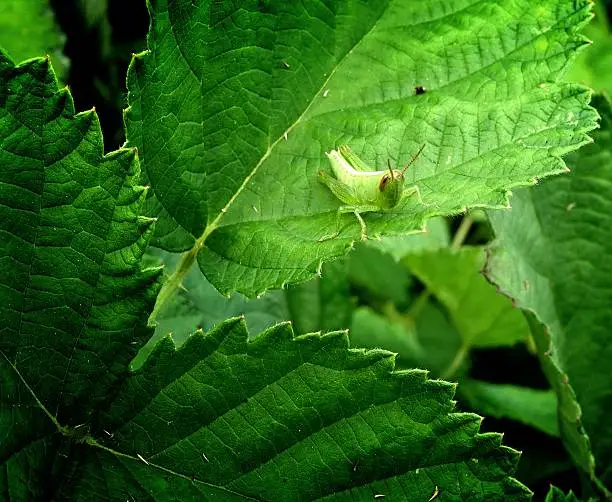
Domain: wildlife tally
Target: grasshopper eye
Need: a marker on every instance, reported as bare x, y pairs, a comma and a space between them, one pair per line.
383, 182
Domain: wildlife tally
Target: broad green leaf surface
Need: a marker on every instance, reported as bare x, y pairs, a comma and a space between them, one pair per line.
322, 304
28, 30
434, 237
534, 407
554, 257
223, 418
73, 299
482, 316
235, 103
283, 418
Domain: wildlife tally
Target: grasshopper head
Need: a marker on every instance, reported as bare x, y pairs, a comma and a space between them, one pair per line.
391, 187
391, 184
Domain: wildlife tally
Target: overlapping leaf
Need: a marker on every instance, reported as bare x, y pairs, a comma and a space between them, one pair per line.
556, 495
372, 330
235, 103
73, 299
283, 418
224, 418
436, 236
534, 407
379, 274
553, 255
482, 316
198, 305
594, 67
322, 304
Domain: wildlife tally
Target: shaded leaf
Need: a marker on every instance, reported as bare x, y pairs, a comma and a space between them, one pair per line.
557, 495
439, 338
534, 407
434, 237
223, 418
198, 305
322, 304
554, 256
226, 414
482, 316
372, 330
594, 67
73, 299
379, 274
546, 461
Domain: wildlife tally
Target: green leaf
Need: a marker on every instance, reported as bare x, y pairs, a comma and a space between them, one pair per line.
379, 274
556, 495
275, 418
553, 255
73, 298
537, 408
28, 30
434, 237
235, 103
223, 418
440, 339
93, 11
547, 460
372, 330
424, 339
322, 304
569, 417
483, 317
198, 305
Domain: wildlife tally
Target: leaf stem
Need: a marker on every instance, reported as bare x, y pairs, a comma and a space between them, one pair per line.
458, 240
417, 306
175, 281
456, 362
462, 232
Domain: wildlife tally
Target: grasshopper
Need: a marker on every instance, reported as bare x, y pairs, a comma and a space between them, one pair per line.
362, 189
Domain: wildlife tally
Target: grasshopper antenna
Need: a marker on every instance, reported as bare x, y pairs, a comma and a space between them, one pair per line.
390, 169
414, 157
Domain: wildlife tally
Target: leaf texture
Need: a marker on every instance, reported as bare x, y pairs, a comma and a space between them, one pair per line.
224, 418
553, 256
284, 418
73, 298
235, 103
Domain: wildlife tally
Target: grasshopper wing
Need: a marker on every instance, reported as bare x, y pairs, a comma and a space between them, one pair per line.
344, 192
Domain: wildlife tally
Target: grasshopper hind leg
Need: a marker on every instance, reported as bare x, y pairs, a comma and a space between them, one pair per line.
347, 195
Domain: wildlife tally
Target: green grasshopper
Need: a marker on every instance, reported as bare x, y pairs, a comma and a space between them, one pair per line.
362, 189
